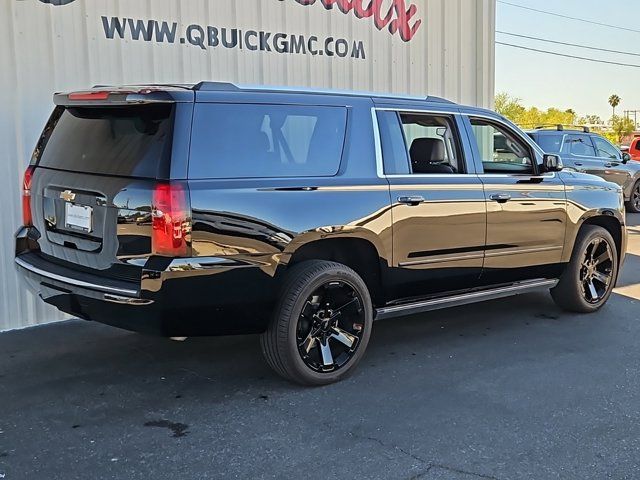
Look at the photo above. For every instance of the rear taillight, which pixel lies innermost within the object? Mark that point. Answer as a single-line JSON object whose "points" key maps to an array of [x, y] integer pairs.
{"points": [[171, 233], [27, 218]]}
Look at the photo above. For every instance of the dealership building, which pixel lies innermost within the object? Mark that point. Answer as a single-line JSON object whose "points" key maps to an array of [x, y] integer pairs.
{"points": [[418, 47]]}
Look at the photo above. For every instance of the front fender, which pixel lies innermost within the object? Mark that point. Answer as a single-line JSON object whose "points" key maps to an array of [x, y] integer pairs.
{"points": [[588, 200]]}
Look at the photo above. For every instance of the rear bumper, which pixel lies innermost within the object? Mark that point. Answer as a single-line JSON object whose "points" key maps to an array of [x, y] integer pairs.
{"points": [[185, 297]]}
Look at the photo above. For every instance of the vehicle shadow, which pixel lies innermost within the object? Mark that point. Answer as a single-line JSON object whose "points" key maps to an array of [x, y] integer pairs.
{"points": [[78, 356]]}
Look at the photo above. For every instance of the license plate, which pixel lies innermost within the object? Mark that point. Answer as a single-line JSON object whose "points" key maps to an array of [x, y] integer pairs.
{"points": [[78, 217]]}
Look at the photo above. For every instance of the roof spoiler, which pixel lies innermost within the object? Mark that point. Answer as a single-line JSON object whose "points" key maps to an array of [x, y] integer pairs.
{"points": [[110, 96]]}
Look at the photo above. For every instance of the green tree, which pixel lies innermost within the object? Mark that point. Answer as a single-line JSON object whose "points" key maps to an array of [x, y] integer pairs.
{"points": [[509, 107], [590, 120], [532, 117], [614, 101], [622, 127]]}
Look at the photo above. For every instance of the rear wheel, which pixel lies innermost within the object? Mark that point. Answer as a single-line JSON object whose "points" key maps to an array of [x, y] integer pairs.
{"points": [[633, 205], [321, 326], [590, 277]]}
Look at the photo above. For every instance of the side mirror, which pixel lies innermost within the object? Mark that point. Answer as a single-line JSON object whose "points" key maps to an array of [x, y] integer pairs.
{"points": [[552, 163], [626, 158]]}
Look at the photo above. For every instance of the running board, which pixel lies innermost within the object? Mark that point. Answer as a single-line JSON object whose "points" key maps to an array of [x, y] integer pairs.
{"points": [[463, 299]]}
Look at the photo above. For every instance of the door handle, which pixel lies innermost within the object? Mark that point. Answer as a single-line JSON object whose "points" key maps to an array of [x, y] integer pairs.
{"points": [[500, 197], [578, 164], [412, 200]]}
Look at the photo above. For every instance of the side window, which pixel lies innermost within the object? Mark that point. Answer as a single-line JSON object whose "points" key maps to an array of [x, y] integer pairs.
{"points": [[500, 149], [433, 144], [637, 146], [581, 145], [421, 144], [394, 150], [245, 141], [605, 149], [550, 142]]}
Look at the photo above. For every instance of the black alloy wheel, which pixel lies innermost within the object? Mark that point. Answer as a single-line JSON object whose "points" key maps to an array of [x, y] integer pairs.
{"points": [[633, 205], [330, 326], [590, 276], [322, 323], [596, 274]]}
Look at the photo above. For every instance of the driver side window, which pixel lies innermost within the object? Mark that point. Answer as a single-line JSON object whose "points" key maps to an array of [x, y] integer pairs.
{"points": [[501, 151], [605, 150]]}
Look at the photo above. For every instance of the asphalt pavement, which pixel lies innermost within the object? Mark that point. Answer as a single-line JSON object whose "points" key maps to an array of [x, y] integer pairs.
{"points": [[509, 389]]}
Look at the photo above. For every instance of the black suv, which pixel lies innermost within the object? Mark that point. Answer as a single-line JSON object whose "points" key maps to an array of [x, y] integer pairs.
{"points": [[588, 152], [301, 215]]}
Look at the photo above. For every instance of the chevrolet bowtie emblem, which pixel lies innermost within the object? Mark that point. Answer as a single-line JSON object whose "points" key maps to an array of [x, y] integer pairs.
{"points": [[68, 196]]}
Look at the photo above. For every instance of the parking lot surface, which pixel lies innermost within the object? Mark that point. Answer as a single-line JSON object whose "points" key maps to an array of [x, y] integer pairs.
{"points": [[510, 389]]}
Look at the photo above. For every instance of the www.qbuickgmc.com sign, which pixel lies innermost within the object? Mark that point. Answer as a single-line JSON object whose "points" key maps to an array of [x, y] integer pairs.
{"points": [[399, 17]]}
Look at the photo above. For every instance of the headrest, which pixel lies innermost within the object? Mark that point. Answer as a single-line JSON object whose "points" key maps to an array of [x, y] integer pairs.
{"points": [[426, 150]]}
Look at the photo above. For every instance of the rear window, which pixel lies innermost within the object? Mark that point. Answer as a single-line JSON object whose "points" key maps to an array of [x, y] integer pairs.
{"points": [[248, 141], [127, 141], [550, 143]]}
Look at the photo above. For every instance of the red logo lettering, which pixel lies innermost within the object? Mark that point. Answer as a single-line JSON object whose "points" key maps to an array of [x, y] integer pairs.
{"points": [[399, 18]]}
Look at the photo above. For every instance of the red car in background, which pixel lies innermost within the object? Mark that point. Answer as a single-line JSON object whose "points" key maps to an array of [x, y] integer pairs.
{"points": [[634, 149]]}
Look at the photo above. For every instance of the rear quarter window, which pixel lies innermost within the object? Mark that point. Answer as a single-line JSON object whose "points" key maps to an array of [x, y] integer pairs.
{"points": [[268, 141]]}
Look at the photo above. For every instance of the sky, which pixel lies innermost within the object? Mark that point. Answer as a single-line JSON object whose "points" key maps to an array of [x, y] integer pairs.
{"points": [[546, 81]]}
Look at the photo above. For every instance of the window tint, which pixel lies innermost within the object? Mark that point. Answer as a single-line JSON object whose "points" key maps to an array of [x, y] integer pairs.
{"points": [[432, 144], [394, 150], [550, 143], [126, 141], [604, 149], [500, 149], [636, 145], [244, 141], [581, 145]]}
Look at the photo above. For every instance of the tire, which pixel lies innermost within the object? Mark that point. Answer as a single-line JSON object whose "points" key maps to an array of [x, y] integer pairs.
{"points": [[633, 205], [308, 320], [582, 287]]}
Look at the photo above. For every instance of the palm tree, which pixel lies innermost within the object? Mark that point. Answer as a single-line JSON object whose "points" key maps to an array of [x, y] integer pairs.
{"points": [[614, 101]]}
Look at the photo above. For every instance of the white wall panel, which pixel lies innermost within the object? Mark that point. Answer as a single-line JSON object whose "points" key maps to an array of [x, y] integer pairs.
{"points": [[48, 48]]}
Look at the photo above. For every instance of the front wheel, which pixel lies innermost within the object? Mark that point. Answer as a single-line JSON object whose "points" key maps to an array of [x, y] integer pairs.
{"points": [[321, 326], [633, 205], [590, 277]]}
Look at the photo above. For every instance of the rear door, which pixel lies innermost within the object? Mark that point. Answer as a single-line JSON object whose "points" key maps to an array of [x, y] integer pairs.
{"points": [[438, 208], [614, 170], [96, 170], [526, 209], [581, 152]]}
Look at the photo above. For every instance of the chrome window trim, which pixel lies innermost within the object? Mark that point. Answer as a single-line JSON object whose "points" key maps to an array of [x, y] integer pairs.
{"points": [[378, 143], [73, 281], [380, 160], [516, 175]]}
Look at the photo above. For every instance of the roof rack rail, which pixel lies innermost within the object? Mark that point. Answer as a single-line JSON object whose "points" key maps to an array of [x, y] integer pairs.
{"points": [[561, 127], [208, 86]]}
